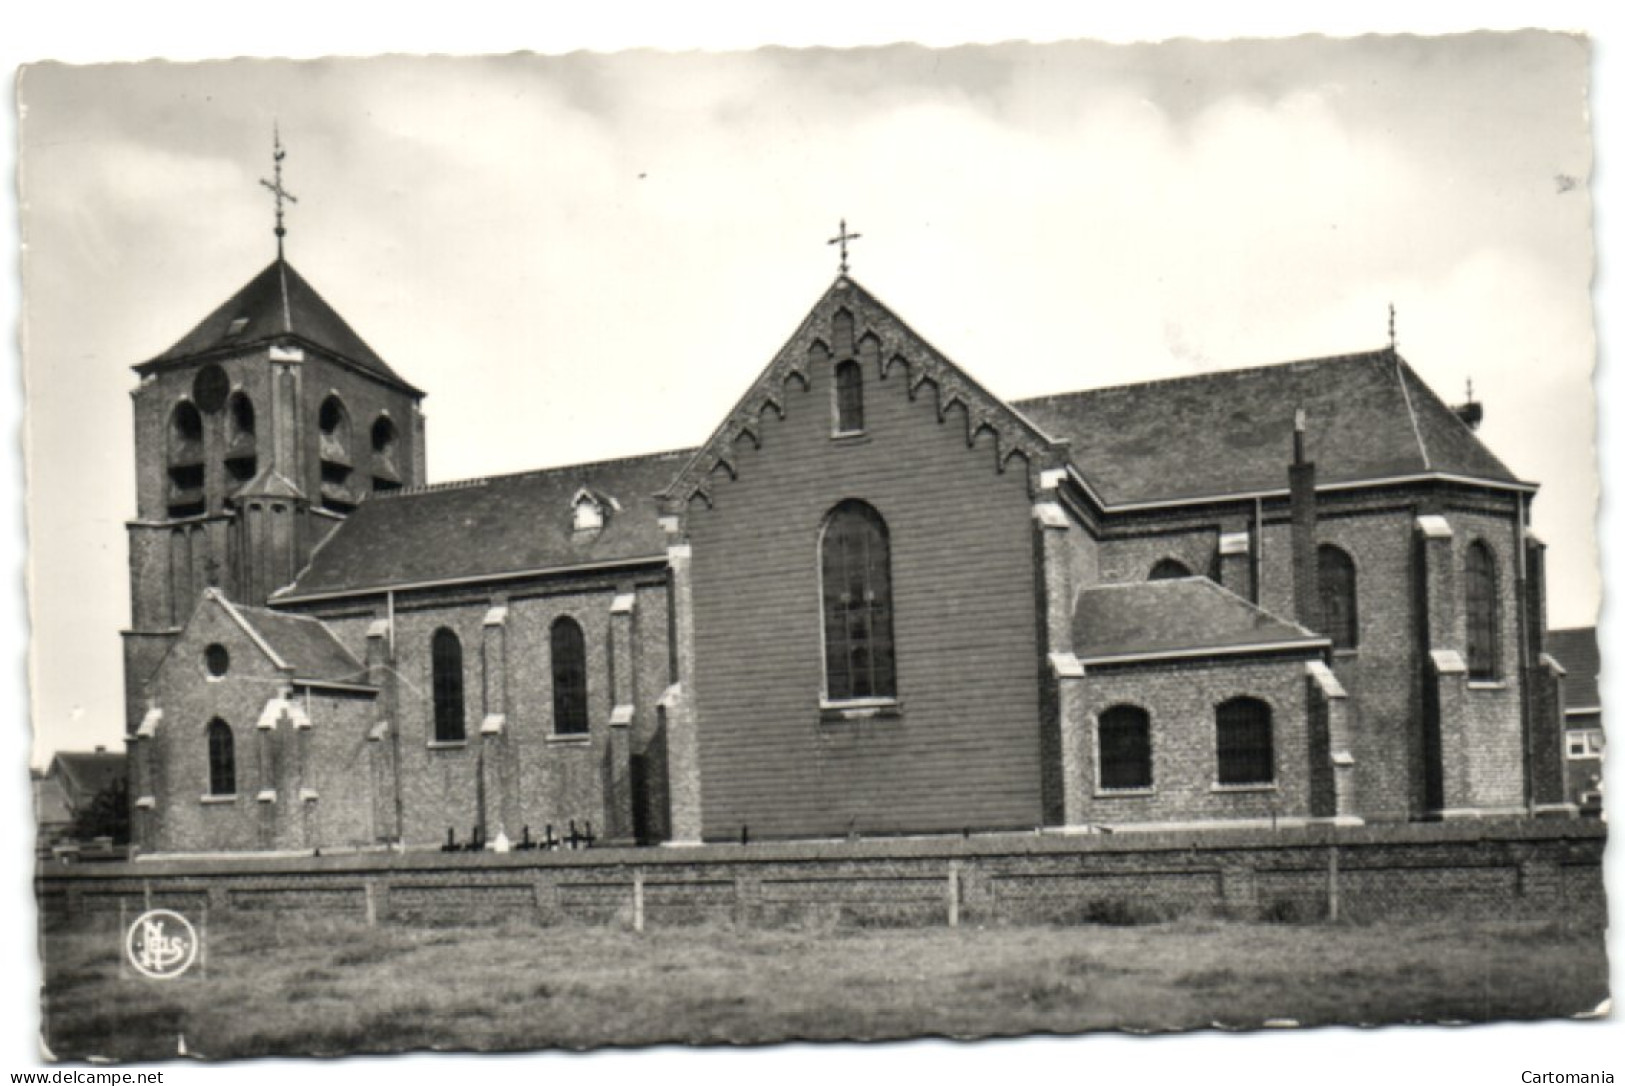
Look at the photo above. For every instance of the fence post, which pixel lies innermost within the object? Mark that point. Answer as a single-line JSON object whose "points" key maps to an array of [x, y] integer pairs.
{"points": [[953, 893], [369, 887], [637, 899], [1331, 885]]}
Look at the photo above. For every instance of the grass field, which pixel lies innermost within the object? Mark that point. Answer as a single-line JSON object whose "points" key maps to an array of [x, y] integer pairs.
{"points": [[332, 987]]}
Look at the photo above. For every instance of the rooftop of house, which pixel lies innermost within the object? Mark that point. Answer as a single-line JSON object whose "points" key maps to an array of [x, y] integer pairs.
{"points": [[1176, 617], [497, 526], [302, 644], [277, 306], [1576, 650], [1368, 416]]}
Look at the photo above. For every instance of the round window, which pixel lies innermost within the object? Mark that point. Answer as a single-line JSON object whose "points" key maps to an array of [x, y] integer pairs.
{"points": [[217, 660], [210, 388]]}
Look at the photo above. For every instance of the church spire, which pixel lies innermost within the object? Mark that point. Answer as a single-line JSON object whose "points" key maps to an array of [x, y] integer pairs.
{"points": [[281, 194]]}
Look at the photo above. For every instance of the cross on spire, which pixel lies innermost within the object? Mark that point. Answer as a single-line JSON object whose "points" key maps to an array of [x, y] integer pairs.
{"points": [[841, 239], [281, 194], [1393, 340]]}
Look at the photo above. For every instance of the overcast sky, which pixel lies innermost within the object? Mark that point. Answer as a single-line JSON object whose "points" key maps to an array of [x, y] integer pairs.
{"points": [[592, 255]]}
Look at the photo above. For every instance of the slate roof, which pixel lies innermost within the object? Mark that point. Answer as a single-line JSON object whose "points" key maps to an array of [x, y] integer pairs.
{"points": [[304, 644], [278, 306], [1180, 616], [1576, 650], [85, 773], [490, 527], [1368, 417]]}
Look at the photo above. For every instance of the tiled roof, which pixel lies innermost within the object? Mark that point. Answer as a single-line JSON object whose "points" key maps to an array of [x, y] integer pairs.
{"points": [[1368, 417], [278, 306], [506, 524], [1576, 650], [1179, 616], [304, 644]]}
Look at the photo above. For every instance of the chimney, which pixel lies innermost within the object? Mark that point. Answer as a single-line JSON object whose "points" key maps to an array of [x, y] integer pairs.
{"points": [[100, 749], [1305, 554]]}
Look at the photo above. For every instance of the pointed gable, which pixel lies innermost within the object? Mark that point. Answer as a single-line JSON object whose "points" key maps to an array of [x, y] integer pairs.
{"points": [[1230, 433], [278, 306], [850, 322]]}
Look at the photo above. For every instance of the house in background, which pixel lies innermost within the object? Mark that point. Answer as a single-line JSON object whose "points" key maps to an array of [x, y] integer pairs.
{"points": [[1576, 650], [65, 793]]}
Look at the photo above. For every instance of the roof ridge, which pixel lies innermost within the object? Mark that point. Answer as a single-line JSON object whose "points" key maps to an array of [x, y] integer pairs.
{"points": [[1358, 356], [558, 469]]}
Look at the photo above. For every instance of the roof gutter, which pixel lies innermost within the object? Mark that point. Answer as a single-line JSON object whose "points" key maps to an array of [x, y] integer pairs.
{"points": [[1282, 492], [1215, 650], [483, 578]]}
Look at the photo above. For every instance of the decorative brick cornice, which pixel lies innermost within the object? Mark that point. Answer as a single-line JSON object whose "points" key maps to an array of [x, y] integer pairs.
{"points": [[878, 336]]}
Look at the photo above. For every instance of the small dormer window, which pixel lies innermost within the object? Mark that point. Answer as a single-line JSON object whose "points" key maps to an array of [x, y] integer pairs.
{"points": [[589, 515], [237, 326]]}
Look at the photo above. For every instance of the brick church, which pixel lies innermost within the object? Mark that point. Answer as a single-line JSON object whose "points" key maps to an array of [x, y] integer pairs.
{"points": [[877, 600]]}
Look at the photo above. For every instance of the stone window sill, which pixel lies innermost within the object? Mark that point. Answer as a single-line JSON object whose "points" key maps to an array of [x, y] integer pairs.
{"points": [[221, 800], [835, 712], [1124, 793], [570, 739], [1486, 684], [850, 435], [447, 744], [1260, 786]]}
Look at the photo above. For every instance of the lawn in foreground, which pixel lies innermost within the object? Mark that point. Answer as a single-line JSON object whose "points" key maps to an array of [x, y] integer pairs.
{"points": [[287, 987]]}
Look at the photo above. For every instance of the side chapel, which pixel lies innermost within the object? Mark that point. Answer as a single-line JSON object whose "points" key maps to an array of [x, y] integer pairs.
{"points": [[879, 599]]}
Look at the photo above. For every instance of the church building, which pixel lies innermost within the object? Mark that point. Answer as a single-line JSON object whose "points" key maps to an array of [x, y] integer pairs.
{"points": [[878, 599]]}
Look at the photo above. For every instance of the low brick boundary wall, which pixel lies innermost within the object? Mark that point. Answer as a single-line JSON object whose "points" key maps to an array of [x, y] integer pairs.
{"points": [[1514, 869]]}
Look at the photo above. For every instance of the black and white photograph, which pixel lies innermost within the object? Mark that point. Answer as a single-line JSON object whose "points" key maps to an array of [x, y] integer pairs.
{"points": [[582, 549]]}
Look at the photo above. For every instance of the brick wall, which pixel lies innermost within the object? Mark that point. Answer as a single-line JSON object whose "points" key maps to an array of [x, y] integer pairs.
{"points": [[1491, 869], [964, 750], [1181, 698]]}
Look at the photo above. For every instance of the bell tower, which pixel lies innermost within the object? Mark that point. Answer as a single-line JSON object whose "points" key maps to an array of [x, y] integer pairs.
{"points": [[256, 434]]}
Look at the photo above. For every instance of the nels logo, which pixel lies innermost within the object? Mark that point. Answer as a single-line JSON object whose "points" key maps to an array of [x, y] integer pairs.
{"points": [[161, 944]]}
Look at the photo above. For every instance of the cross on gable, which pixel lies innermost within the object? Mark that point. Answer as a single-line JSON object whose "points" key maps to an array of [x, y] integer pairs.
{"points": [[841, 239]]}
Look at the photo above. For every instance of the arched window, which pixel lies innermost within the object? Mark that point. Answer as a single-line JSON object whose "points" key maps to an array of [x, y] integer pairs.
{"points": [[447, 653], [222, 759], [856, 566], [848, 398], [334, 447], [185, 498], [1168, 569], [1246, 743], [1124, 739], [241, 461], [569, 678], [1483, 614], [386, 473], [1339, 609]]}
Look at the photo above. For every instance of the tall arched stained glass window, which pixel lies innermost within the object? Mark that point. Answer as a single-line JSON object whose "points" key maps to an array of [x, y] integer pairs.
{"points": [[1339, 610], [1483, 614], [569, 647], [447, 653], [856, 566]]}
